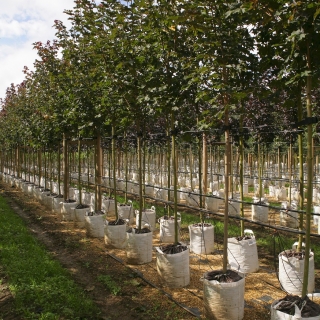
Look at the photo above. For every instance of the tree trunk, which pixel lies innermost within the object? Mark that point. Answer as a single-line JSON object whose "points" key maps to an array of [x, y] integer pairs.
{"points": [[98, 171], [114, 167], [309, 188], [66, 168]]}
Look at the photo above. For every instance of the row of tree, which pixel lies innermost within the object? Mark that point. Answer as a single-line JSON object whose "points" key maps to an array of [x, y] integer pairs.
{"points": [[146, 67], [170, 66]]}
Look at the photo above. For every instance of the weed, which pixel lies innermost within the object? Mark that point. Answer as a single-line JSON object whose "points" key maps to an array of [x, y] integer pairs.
{"points": [[111, 285]]}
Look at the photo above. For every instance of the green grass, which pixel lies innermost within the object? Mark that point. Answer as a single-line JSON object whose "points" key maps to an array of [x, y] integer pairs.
{"points": [[42, 289], [110, 284]]}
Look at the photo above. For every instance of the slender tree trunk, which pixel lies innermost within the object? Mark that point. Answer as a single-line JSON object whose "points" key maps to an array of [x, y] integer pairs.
{"points": [[169, 169], [66, 168], [59, 169], [114, 164], [309, 187], [204, 166], [79, 171], [98, 170], [241, 172], [200, 177], [226, 176], [139, 138], [126, 170]]}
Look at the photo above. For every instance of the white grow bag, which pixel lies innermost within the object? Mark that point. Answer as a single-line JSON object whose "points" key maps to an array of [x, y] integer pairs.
{"points": [[260, 213], [234, 208], [184, 193], [94, 225], [115, 235], [316, 209], [289, 218], [201, 239], [167, 229], [57, 205], [224, 300], [148, 217], [174, 269], [79, 217], [281, 193], [212, 204], [279, 315], [193, 199], [291, 274], [108, 205], [139, 247], [243, 255], [67, 210], [125, 212]]}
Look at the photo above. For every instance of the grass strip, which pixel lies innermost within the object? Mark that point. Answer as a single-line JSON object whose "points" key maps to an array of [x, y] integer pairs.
{"points": [[42, 289]]}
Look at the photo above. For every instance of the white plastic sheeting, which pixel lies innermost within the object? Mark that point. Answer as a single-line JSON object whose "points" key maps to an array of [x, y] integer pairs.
{"points": [[139, 247], [224, 300], [291, 273], [279, 315], [243, 255], [115, 235], [167, 229], [94, 225], [201, 238], [174, 269]]}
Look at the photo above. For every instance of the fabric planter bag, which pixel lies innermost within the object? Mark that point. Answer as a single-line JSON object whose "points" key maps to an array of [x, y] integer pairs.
{"points": [[234, 208], [57, 205], [316, 209], [291, 273], [279, 315], [167, 229], [224, 300], [289, 219], [115, 235], [139, 247], [173, 269], [125, 212], [108, 205], [67, 210], [79, 217], [148, 217], [201, 238], [243, 254], [260, 213], [94, 225], [212, 204]]}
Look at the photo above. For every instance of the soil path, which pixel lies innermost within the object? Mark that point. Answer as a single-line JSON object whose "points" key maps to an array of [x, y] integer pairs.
{"points": [[86, 259]]}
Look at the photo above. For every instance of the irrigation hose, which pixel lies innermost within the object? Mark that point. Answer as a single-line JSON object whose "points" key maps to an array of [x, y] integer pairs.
{"points": [[181, 305]]}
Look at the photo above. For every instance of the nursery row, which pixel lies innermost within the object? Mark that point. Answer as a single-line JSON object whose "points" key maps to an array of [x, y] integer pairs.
{"points": [[173, 267]]}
